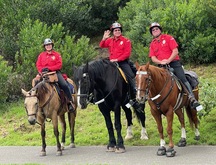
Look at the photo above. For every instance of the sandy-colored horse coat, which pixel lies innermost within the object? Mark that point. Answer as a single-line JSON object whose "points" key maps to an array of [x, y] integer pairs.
{"points": [[165, 97], [42, 102]]}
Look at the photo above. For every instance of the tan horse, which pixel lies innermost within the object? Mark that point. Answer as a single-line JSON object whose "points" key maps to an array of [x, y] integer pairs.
{"points": [[42, 102], [165, 97]]}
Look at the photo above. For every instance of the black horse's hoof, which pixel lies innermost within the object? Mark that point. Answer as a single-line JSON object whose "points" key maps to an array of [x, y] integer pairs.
{"points": [[170, 152], [161, 151], [197, 138], [182, 142], [120, 150], [110, 149]]}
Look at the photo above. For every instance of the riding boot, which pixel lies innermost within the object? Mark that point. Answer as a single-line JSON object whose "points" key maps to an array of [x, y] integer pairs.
{"points": [[194, 103]]}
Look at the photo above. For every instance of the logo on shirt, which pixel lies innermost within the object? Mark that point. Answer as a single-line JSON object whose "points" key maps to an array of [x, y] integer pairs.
{"points": [[53, 58], [163, 42], [121, 43]]}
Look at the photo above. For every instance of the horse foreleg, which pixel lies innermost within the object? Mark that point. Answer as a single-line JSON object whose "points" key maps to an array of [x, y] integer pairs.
{"points": [[182, 142], [170, 152], [43, 134], [56, 133], [112, 141], [157, 116], [120, 143], [63, 125]]}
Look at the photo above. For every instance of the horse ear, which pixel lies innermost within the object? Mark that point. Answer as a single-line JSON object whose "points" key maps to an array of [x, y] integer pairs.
{"points": [[137, 65], [24, 92]]}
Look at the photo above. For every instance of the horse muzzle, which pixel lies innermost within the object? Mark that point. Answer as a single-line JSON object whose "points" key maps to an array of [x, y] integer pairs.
{"points": [[32, 120]]}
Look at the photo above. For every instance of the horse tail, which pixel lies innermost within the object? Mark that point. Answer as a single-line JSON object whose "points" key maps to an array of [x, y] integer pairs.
{"points": [[192, 116]]}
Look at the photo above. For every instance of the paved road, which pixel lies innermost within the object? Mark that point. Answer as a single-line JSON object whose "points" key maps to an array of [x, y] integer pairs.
{"points": [[96, 155]]}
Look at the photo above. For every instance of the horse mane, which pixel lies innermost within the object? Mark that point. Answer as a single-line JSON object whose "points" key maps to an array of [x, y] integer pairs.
{"points": [[159, 73], [41, 89], [99, 67]]}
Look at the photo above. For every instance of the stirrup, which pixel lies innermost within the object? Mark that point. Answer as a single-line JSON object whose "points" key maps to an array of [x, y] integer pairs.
{"points": [[196, 105]]}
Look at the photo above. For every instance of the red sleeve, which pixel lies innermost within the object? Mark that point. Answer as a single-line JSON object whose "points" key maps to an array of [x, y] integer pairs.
{"points": [[105, 43], [38, 63]]}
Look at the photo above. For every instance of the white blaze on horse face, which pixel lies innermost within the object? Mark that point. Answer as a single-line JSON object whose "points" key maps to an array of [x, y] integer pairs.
{"points": [[139, 77]]}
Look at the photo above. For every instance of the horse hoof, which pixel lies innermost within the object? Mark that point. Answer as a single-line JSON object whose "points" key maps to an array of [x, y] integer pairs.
{"points": [[170, 152], [128, 137], [43, 153], [110, 149], [144, 137], [59, 153], [62, 147], [197, 138], [161, 151], [182, 142], [72, 145], [120, 150]]}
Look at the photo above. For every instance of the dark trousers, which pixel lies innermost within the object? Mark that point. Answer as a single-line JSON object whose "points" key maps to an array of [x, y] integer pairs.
{"points": [[178, 70], [63, 85], [125, 66]]}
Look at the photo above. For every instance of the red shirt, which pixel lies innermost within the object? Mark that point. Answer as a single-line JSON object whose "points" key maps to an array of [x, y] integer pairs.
{"points": [[163, 49], [119, 48], [51, 61]]}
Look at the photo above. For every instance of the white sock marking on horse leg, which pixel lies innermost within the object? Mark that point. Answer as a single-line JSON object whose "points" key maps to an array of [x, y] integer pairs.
{"points": [[129, 134], [183, 133], [197, 133], [144, 135], [162, 142]]}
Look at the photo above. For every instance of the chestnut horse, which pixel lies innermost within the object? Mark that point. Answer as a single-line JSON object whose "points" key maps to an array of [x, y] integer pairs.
{"points": [[165, 96], [42, 102]]}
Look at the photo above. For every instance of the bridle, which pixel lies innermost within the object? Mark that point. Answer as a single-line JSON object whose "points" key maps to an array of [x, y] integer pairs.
{"points": [[147, 89], [42, 106], [90, 94], [145, 75]]}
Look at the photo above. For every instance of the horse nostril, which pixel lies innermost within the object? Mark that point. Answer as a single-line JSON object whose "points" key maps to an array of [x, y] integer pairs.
{"points": [[32, 122]]}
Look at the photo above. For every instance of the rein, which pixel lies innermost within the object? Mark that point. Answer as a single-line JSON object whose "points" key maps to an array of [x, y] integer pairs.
{"points": [[147, 90]]}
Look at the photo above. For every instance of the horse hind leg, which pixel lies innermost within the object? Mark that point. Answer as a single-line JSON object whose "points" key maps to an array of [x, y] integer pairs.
{"points": [[182, 142], [63, 125]]}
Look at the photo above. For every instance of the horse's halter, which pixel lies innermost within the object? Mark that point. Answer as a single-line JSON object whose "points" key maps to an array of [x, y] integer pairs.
{"points": [[87, 84], [143, 76], [37, 106]]}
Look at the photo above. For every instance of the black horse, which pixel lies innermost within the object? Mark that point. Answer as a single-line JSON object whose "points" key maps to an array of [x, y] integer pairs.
{"points": [[101, 82]]}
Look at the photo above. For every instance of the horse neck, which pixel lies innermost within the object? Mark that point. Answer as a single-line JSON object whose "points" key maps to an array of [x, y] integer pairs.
{"points": [[44, 94], [158, 80]]}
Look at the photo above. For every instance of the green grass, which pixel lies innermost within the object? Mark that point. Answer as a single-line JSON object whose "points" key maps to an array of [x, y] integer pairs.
{"points": [[90, 126]]}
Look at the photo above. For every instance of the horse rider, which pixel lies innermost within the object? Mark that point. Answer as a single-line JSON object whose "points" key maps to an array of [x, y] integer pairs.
{"points": [[50, 60], [120, 52], [163, 51]]}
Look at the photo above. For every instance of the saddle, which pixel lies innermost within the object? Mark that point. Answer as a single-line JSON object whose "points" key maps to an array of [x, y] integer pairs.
{"points": [[52, 78]]}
